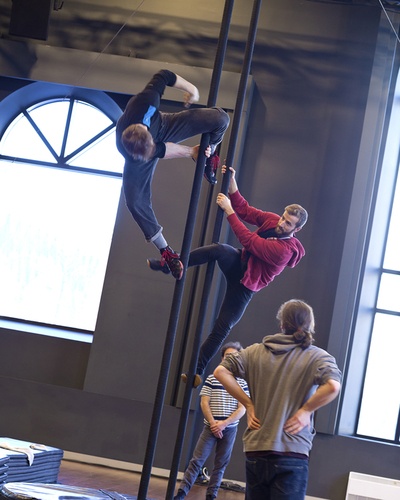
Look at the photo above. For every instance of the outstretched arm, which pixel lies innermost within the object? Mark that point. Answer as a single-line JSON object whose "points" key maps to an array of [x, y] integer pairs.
{"points": [[173, 150], [191, 93], [322, 396], [223, 201]]}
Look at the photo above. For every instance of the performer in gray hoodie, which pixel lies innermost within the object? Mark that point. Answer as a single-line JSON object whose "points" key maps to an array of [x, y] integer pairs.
{"points": [[288, 380]]}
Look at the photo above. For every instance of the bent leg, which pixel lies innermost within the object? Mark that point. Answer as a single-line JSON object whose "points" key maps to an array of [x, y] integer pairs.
{"points": [[236, 300], [227, 256], [177, 127]]}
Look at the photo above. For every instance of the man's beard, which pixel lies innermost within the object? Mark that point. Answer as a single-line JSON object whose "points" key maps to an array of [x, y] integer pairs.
{"points": [[269, 233], [280, 233]]}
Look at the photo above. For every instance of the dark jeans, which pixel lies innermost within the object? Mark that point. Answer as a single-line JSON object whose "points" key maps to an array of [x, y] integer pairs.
{"points": [[236, 299], [175, 127], [276, 478], [203, 449]]}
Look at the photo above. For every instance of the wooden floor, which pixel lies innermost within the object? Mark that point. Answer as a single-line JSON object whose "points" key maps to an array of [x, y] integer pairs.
{"points": [[126, 482]]}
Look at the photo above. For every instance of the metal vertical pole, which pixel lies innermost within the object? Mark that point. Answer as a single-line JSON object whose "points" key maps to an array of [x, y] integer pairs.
{"points": [[210, 267], [179, 287]]}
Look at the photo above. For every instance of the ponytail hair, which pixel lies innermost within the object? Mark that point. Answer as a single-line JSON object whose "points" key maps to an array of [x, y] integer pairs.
{"points": [[297, 319]]}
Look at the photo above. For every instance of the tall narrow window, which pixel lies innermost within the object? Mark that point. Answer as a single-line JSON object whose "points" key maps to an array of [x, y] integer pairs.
{"points": [[380, 405], [379, 409], [60, 184]]}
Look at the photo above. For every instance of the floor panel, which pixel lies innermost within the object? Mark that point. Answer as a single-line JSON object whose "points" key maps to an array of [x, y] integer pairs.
{"points": [[127, 482]]}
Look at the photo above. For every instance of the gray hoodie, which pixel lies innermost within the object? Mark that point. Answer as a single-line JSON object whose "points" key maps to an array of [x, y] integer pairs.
{"points": [[281, 377]]}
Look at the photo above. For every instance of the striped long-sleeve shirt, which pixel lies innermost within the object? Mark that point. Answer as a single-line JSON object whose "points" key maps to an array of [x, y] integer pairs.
{"points": [[222, 404]]}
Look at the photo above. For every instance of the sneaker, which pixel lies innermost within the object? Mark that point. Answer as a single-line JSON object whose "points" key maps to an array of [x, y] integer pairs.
{"points": [[180, 495], [196, 382], [204, 472], [158, 265], [203, 477], [171, 259], [212, 163]]}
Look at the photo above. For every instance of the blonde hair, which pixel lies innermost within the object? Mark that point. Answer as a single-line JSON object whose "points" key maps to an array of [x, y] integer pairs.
{"points": [[138, 142], [297, 319]]}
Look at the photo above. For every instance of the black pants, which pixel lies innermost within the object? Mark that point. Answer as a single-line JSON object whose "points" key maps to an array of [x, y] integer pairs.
{"points": [[236, 299]]}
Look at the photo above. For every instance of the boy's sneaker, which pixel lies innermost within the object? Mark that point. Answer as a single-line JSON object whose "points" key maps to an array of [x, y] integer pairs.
{"points": [[156, 265], [212, 163], [203, 477], [171, 259]]}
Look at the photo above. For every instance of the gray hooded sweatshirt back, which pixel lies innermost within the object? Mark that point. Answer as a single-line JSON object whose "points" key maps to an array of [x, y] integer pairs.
{"points": [[281, 377]]}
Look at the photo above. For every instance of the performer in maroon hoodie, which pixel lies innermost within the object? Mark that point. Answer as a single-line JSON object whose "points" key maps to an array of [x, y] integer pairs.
{"points": [[265, 254]]}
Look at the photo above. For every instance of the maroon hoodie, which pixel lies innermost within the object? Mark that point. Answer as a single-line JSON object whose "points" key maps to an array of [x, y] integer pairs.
{"points": [[266, 257]]}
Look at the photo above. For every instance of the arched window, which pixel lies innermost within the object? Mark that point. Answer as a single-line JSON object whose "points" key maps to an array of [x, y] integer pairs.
{"points": [[60, 184]]}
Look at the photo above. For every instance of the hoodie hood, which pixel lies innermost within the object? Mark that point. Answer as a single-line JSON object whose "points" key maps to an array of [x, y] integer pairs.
{"points": [[297, 250], [280, 343]]}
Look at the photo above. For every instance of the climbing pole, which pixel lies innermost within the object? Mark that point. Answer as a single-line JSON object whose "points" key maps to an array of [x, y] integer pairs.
{"points": [[216, 234], [179, 286], [187, 240]]}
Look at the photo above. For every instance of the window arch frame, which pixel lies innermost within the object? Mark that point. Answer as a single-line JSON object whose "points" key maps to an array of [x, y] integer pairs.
{"points": [[37, 92], [11, 107]]}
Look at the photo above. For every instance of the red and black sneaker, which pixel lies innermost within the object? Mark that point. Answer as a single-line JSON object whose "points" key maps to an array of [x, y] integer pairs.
{"points": [[171, 259], [157, 265], [212, 164]]}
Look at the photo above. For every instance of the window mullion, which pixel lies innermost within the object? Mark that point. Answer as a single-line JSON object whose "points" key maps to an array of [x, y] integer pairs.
{"points": [[40, 134], [66, 130]]}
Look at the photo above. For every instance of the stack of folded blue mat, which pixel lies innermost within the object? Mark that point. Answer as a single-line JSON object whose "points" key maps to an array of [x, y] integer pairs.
{"points": [[4, 459], [29, 462], [40, 491]]}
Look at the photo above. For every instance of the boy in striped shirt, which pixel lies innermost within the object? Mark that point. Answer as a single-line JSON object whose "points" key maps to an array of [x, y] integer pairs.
{"points": [[221, 418]]}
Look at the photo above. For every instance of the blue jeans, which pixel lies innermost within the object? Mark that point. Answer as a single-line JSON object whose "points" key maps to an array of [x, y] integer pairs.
{"points": [[175, 127], [203, 449], [236, 299], [276, 478]]}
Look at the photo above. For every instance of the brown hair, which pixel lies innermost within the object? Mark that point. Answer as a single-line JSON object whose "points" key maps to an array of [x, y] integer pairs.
{"points": [[297, 319], [138, 142], [299, 212]]}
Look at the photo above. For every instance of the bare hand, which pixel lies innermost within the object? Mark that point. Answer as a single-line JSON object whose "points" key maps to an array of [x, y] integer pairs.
{"points": [[252, 421], [217, 433], [224, 169], [232, 181], [225, 203], [191, 97], [196, 149], [217, 428], [297, 423]]}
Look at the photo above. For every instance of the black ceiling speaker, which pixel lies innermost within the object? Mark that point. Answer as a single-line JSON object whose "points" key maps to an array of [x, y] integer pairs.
{"points": [[30, 18]]}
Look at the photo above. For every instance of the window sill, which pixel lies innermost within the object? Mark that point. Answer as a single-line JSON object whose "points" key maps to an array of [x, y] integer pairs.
{"points": [[47, 330]]}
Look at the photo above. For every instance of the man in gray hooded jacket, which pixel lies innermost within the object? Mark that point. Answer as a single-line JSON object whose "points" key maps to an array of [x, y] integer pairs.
{"points": [[288, 380]]}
